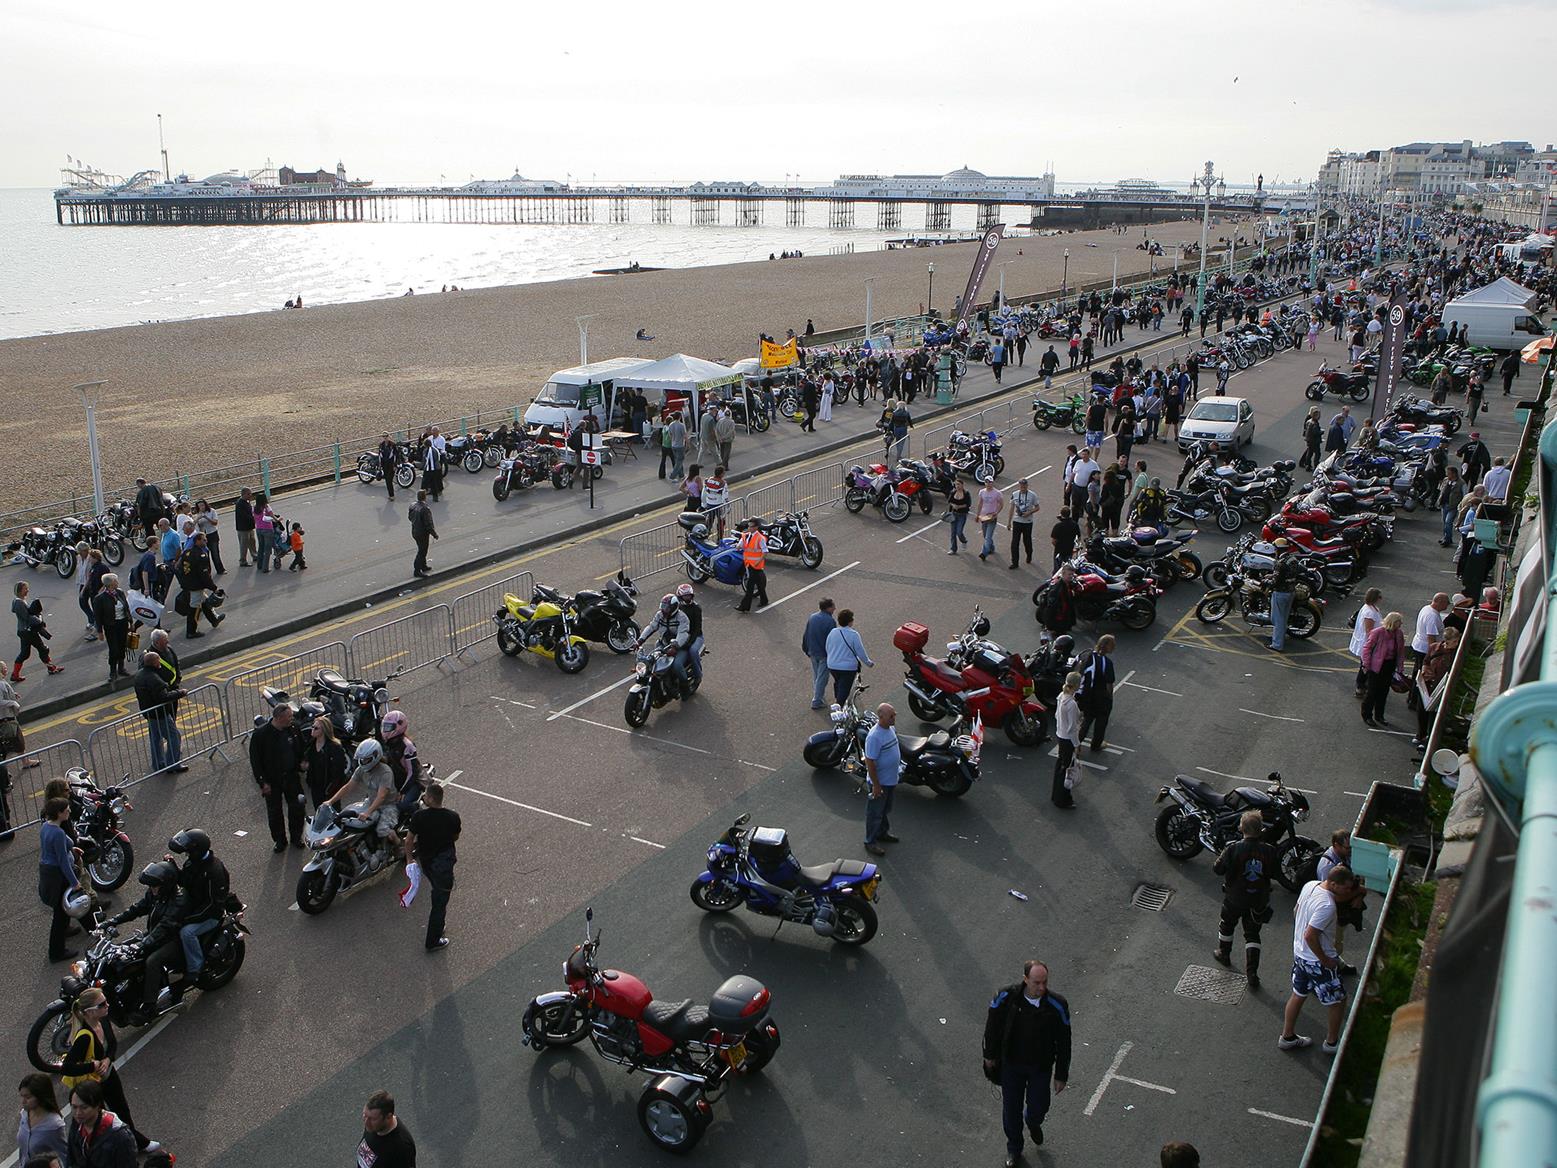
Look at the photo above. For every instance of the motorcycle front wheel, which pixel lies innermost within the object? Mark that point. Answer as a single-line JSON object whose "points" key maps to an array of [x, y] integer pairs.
{"points": [[897, 508], [1229, 519], [637, 708], [824, 756], [113, 865], [138, 539], [984, 473], [923, 710], [572, 657], [1294, 858], [500, 488], [761, 421], [113, 551], [1315, 391], [315, 891], [405, 476], [622, 636], [811, 554], [716, 896], [1213, 607], [473, 462], [554, 1024], [1215, 576], [669, 1122], [216, 974], [855, 923], [1177, 833], [491, 456], [48, 1042], [1078, 424], [65, 563], [1023, 728]]}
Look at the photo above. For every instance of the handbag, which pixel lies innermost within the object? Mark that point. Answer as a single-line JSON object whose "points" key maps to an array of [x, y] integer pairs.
{"points": [[132, 641], [1073, 774]]}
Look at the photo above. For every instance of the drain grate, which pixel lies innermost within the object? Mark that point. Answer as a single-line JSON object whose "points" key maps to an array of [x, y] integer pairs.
{"points": [[1151, 897], [1210, 984]]}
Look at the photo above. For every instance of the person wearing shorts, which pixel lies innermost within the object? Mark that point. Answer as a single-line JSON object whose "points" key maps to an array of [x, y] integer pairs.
{"points": [[1316, 966]]}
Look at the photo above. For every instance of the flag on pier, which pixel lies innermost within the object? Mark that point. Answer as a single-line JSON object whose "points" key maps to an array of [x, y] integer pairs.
{"points": [[981, 261]]}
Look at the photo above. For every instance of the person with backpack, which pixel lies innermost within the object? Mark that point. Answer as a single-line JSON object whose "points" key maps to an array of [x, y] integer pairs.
{"points": [[1096, 697]]}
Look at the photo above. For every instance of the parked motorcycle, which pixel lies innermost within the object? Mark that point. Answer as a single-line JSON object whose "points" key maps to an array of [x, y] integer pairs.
{"points": [[1408, 408], [1204, 506], [98, 533], [522, 469], [545, 629], [1166, 557], [1130, 599], [1334, 383], [1071, 412], [1251, 598], [1201, 817], [124, 519], [755, 867], [370, 471], [938, 689], [790, 534], [41, 547], [948, 765], [977, 455], [106, 851], [894, 491], [603, 616], [690, 1050], [355, 707], [347, 849], [704, 558], [467, 450], [655, 683]]}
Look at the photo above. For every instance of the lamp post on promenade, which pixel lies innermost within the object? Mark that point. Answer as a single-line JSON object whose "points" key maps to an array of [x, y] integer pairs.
{"points": [[869, 318], [1206, 181], [1065, 276], [929, 302], [583, 336], [88, 391]]}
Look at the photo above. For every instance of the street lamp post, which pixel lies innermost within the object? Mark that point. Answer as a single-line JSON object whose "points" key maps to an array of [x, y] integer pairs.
{"points": [[1205, 181], [583, 336], [1115, 286], [929, 301], [88, 391], [1065, 276], [869, 317]]}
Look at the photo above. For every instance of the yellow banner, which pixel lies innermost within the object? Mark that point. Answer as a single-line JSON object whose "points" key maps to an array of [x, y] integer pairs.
{"points": [[779, 356]]}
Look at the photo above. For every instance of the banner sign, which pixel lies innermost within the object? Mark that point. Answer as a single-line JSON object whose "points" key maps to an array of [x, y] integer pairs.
{"points": [[779, 356], [980, 266], [1391, 350]]}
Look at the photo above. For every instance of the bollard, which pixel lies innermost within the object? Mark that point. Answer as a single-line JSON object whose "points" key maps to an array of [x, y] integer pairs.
{"points": [[184, 490], [337, 464], [517, 422], [265, 476]]}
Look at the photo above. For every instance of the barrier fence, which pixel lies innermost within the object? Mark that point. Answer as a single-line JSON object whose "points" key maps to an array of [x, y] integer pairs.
{"points": [[399, 646], [241, 691], [139, 747], [651, 552], [470, 614], [23, 800]]}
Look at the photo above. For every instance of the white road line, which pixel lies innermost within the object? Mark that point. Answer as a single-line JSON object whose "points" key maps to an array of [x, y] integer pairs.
{"points": [[921, 531], [1356, 794], [516, 803], [1225, 775], [563, 713], [1113, 1075], [1144, 1083], [1151, 689], [791, 596], [452, 775], [1054, 752], [665, 741], [1262, 714], [1112, 749], [1127, 677], [1280, 1118], [638, 839], [1398, 733], [512, 701], [1305, 790]]}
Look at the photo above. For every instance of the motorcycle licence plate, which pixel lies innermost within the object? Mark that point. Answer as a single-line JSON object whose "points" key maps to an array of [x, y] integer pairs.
{"points": [[869, 890], [736, 1055]]}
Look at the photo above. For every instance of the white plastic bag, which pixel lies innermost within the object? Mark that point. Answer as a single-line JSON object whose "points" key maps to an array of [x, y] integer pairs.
{"points": [[413, 875]]}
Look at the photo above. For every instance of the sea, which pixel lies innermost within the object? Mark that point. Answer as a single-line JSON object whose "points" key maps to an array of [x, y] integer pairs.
{"points": [[64, 279]]}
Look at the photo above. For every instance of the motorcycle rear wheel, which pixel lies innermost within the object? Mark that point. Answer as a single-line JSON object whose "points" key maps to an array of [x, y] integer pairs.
{"points": [[508, 641], [669, 1122], [216, 974], [113, 866], [315, 891], [1138, 615], [696, 572], [761, 1045], [48, 1042], [1177, 833], [1303, 623], [1213, 608], [854, 502], [716, 896], [856, 921], [572, 657], [113, 551], [636, 710], [950, 784], [1188, 566], [923, 710], [1041, 420], [365, 470], [1360, 393], [554, 1024]]}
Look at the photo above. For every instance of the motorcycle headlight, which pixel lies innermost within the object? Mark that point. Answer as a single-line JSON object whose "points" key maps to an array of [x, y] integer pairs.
{"points": [[78, 969], [1299, 814], [642, 668], [322, 842]]}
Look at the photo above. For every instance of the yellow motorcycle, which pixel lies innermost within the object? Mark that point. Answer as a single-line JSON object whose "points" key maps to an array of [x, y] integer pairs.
{"points": [[545, 629]]}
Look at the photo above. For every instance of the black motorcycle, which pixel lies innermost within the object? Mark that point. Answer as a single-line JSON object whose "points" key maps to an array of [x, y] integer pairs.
{"points": [[791, 535], [369, 470], [1200, 817], [604, 616], [124, 519], [106, 851], [1166, 557], [523, 468], [468, 450], [97, 533], [355, 707], [1410, 408], [947, 765], [42, 547], [1215, 503]]}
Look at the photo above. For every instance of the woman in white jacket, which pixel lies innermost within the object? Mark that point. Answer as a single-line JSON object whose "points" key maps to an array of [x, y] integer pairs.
{"points": [[1067, 736]]}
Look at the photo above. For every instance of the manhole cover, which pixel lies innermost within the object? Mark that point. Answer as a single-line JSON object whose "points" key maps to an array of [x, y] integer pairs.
{"points": [[1210, 984], [1151, 897]]}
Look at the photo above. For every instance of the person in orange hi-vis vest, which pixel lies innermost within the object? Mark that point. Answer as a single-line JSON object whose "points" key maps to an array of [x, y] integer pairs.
{"points": [[754, 553]]}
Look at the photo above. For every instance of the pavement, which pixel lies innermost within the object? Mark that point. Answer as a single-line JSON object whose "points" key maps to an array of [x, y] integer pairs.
{"points": [[564, 808]]}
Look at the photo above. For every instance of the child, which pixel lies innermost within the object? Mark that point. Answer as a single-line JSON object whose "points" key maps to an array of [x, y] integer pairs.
{"points": [[297, 564]]}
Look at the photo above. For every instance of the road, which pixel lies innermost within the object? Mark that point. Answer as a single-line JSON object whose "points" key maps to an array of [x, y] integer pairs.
{"points": [[564, 807]]}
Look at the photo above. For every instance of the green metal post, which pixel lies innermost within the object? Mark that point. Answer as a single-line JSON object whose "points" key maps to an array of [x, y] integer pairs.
{"points": [[337, 464], [465, 427], [184, 489], [265, 476]]}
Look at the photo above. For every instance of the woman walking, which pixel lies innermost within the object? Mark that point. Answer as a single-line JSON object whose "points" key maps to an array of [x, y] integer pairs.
{"points": [[264, 532], [958, 504], [111, 608], [1383, 656], [90, 1059], [208, 524], [845, 654], [1067, 737], [41, 1129], [1369, 617], [692, 488], [324, 761], [1111, 499], [30, 631], [83, 588], [1313, 436]]}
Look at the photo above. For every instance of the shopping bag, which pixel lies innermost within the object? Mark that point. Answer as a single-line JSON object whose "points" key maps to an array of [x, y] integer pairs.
{"points": [[413, 875]]}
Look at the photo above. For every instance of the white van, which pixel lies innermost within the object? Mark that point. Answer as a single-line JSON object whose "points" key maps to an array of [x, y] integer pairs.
{"points": [[557, 403], [1500, 315]]}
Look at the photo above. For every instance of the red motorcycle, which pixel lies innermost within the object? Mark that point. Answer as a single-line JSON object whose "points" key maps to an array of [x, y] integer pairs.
{"points": [[895, 491], [1130, 599], [689, 1049], [1334, 383], [994, 685], [1323, 521]]}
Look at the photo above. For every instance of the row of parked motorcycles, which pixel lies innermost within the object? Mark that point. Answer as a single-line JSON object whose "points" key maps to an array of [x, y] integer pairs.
{"points": [[914, 483], [45, 547]]}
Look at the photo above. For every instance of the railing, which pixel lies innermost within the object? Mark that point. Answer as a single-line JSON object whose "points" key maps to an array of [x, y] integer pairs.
{"points": [[24, 802], [129, 746], [241, 691], [397, 647], [470, 613], [648, 553]]}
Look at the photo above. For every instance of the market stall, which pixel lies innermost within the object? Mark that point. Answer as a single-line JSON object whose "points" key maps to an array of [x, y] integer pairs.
{"points": [[685, 385]]}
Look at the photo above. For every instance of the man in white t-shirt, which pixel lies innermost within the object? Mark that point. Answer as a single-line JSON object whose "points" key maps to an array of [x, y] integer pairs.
{"points": [[1316, 966], [1429, 627], [1081, 473]]}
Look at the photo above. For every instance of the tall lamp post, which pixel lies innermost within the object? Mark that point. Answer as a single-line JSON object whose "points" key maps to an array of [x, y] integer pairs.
{"points": [[870, 286], [89, 394], [1065, 276], [929, 300], [583, 336], [1207, 181]]}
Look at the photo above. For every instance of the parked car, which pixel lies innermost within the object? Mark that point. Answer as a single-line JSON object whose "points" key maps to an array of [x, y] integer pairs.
{"points": [[1218, 423]]}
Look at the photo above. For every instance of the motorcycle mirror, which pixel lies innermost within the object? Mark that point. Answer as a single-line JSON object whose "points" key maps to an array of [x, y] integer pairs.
{"points": [[1446, 762]]}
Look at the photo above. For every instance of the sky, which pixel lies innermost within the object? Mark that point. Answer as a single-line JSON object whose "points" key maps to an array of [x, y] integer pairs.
{"points": [[426, 93]]}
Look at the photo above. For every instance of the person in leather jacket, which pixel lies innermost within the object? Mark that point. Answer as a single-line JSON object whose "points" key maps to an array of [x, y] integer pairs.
{"points": [[165, 907], [1246, 868], [675, 628], [206, 886], [194, 577], [1027, 1039]]}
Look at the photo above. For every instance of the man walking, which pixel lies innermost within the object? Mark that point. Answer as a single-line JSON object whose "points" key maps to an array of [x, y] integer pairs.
{"points": [[883, 766], [1475, 459], [1510, 370], [243, 525], [274, 753], [676, 440], [1026, 1043], [1020, 517], [997, 358], [157, 699], [430, 841], [990, 503], [724, 434], [814, 644], [1246, 868], [1316, 966], [1282, 590], [754, 554], [1097, 691], [1049, 365], [385, 1141], [388, 460], [150, 505], [422, 530]]}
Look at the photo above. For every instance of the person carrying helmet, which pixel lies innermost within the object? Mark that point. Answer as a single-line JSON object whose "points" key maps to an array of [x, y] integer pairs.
{"points": [[207, 886], [674, 627], [165, 906], [400, 754], [274, 753], [754, 554], [690, 659], [1283, 582], [376, 780]]}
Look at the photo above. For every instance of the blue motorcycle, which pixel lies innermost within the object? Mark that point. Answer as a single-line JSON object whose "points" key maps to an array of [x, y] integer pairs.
{"points": [[704, 558], [754, 865]]}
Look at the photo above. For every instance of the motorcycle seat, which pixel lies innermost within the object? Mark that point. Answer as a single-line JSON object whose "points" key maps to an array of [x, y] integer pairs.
{"points": [[820, 874], [938, 740], [332, 680], [941, 669], [1205, 792], [526, 611], [677, 1020]]}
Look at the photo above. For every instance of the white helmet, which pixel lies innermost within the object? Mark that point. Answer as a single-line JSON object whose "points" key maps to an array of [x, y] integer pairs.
{"points": [[369, 754], [77, 902]]}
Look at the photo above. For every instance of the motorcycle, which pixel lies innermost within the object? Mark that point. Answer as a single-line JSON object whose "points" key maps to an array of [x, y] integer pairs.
{"points": [[123, 519], [567, 469], [1166, 557], [948, 765], [1003, 681], [1198, 507], [370, 471], [975, 454], [705, 559], [603, 616], [689, 1049], [655, 684], [106, 851], [1199, 816], [41, 547], [355, 707], [347, 849], [1334, 383], [98, 533], [523, 468], [1407, 408], [1252, 556], [755, 867], [118, 968], [894, 491], [790, 535], [1251, 597], [1131, 599], [467, 450], [545, 629], [1071, 412]]}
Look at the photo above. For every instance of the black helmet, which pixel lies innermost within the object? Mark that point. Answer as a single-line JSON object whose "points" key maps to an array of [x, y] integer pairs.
{"points": [[1135, 572], [1064, 647], [191, 842], [158, 873]]}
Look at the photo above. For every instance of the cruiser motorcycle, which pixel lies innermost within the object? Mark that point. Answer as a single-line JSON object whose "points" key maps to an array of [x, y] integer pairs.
{"points": [[41, 547], [948, 766], [545, 629], [791, 535], [1251, 598], [690, 1050], [1200, 817], [106, 851], [355, 707]]}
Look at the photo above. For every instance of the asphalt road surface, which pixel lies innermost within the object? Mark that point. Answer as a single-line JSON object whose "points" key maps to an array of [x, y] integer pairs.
{"points": [[564, 808]]}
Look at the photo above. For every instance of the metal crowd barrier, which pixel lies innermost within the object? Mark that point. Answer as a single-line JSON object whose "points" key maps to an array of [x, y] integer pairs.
{"points": [[766, 503], [820, 487], [651, 552], [241, 691], [397, 647], [24, 800], [470, 614], [124, 746]]}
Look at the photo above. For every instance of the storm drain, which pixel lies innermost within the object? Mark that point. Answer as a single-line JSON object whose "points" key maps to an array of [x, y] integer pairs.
{"points": [[1151, 897], [1211, 984]]}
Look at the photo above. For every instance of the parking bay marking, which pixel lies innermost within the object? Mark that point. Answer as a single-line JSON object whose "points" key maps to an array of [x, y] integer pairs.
{"points": [[1113, 1075], [664, 741], [782, 599], [1263, 714], [1280, 1118], [937, 523]]}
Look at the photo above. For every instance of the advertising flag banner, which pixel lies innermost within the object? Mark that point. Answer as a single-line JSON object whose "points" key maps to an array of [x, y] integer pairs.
{"points": [[1391, 350], [981, 261]]}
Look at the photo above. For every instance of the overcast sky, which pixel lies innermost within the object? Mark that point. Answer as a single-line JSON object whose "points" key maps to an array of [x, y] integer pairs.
{"points": [[411, 93]]}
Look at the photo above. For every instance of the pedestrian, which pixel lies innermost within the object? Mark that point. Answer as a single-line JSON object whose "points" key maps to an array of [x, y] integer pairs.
{"points": [[1021, 514], [1368, 618], [724, 434], [430, 838], [264, 532], [40, 1132], [1067, 740], [197, 593], [56, 873], [1048, 365], [845, 654], [324, 762], [753, 543], [98, 1138], [1063, 536], [388, 461], [90, 1059], [385, 1141], [1283, 585], [1223, 372], [1111, 497], [423, 530], [1027, 1042], [1429, 627], [1496, 482], [1124, 432], [1246, 868], [814, 644], [151, 505], [959, 501], [692, 488], [31, 631], [1510, 370], [991, 501], [1313, 436], [1096, 697], [1348, 907], [716, 499], [274, 757], [243, 525], [1474, 388], [883, 767], [1335, 435], [1316, 966], [1475, 459], [1096, 419], [1435, 667], [157, 700], [1178, 1154], [208, 522], [111, 610], [84, 554], [810, 399], [707, 432], [902, 423], [1383, 657], [997, 358], [432, 468]]}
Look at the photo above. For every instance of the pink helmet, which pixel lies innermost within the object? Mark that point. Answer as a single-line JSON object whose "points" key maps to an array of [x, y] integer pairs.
{"points": [[394, 725]]}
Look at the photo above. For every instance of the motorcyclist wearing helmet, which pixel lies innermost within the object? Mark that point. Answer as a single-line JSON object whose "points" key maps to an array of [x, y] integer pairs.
{"points": [[376, 781], [400, 755], [690, 659], [164, 906], [1150, 508], [674, 628], [206, 885]]}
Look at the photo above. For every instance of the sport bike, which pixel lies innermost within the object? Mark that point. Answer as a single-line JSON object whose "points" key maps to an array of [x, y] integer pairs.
{"points": [[545, 629], [655, 684], [704, 558], [604, 616], [347, 849], [1200, 817], [1072, 413], [939, 688]]}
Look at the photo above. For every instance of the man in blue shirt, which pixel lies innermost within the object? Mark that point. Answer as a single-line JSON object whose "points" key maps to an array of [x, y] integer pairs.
{"points": [[814, 645], [883, 763], [56, 874]]}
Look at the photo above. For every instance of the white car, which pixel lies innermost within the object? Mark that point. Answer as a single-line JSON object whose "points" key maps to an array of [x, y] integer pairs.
{"points": [[1218, 423]]}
